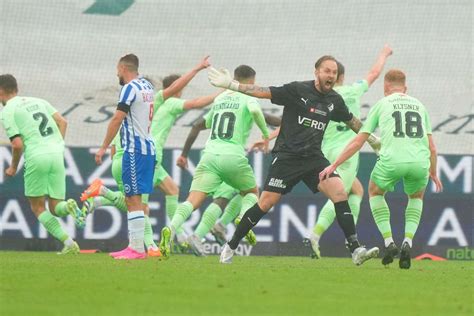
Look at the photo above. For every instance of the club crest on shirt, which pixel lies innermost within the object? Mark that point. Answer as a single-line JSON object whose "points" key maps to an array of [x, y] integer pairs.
{"points": [[330, 107]]}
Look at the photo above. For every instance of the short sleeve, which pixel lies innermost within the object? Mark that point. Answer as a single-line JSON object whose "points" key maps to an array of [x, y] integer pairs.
{"points": [[127, 95], [176, 105], [159, 100], [360, 87], [49, 108], [428, 124], [341, 113], [208, 117], [372, 120], [8, 122], [285, 94]]}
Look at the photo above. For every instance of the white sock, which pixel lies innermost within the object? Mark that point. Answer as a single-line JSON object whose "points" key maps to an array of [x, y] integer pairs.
{"points": [[388, 241], [97, 201], [136, 230], [408, 241], [314, 237], [69, 242]]}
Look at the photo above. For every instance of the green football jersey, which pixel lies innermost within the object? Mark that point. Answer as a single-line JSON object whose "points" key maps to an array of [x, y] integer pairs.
{"points": [[32, 120], [404, 125], [165, 114], [338, 134], [118, 147], [230, 119]]}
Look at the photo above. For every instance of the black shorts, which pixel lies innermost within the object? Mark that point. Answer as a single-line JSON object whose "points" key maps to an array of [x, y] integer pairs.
{"points": [[285, 172]]}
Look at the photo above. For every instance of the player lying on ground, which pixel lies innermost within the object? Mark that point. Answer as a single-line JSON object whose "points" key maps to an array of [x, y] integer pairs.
{"points": [[37, 128], [225, 198], [230, 118], [408, 153], [308, 107]]}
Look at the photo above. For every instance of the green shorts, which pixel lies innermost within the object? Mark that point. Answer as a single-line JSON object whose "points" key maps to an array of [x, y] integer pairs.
{"points": [[414, 175], [160, 174], [213, 170], [117, 174], [225, 191], [45, 175], [348, 170]]}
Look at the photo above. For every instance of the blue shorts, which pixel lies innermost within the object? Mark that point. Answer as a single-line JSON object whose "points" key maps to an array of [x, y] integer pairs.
{"points": [[137, 173]]}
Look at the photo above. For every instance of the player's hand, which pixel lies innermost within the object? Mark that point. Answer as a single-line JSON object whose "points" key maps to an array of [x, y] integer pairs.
{"points": [[222, 78], [387, 50], [256, 147], [98, 156], [437, 182], [11, 171], [323, 175], [266, 143], [182, 162], [203, 64]]}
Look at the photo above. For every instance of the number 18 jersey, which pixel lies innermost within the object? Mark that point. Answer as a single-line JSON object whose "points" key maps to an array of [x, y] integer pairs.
{"points": [[32, 120], [230, 120], [404, 128]]}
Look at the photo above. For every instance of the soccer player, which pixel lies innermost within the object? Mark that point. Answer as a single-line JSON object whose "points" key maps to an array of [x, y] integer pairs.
{"points": [[226, 200], [37, 128], [408, 153], [308, 107], [230, 118], [336, 137], [133, 118]]}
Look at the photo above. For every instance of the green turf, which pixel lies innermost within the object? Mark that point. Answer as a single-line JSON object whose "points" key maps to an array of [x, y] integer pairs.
{"points": [[34, 283]]}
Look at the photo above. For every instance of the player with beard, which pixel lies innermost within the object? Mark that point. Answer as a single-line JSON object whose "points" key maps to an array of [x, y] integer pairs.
{"points": [[297, 155]]}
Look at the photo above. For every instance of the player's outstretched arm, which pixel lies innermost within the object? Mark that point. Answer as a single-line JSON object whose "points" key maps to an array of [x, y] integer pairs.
{"points": [[223, 79], [198, 126], [355, 124], [112, 130], [377, 68], [182, 81], [200, 102], [354, 146], [433, 164], [17, 150], [61, 122]]}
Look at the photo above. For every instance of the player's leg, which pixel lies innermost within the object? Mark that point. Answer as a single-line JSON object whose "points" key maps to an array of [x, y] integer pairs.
{"points": [[150, 245], [231, 211], [382, 179], [355, 198], [414, 182]]}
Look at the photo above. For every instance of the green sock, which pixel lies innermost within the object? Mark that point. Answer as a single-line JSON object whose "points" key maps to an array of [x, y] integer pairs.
{"points": [[381, 215], [52, 226], [148, 237], [354, 204], [118, 200], [60, 210], [183, 211], [325, 219], [232, 210], [249, 200], [412, 217], [208, 219], [171, 205]]}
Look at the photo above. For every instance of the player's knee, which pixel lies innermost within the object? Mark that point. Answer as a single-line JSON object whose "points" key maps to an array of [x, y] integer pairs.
{"points": [[374, 189], [417, 195], [338, 196]]}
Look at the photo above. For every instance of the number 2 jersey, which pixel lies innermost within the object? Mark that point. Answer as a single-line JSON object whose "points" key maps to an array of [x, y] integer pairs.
{"points": [[32, 120], [404, 128], [231, 121]]}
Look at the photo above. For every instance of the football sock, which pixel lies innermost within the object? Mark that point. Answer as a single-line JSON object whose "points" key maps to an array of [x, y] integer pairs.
{"points": [[354, 204], [381, 215], [61, 209], [183, 211], [232, 210], [249, 200], [209, 218], [136, 230], [325, 219], [148, 234], [171, 205], [409, 241], [412, 217], [387, 241], [52, 226], [346, 222], [249, 220]]}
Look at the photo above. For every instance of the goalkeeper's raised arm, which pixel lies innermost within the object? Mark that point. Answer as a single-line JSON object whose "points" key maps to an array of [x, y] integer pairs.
{"points": [[222, 78]]}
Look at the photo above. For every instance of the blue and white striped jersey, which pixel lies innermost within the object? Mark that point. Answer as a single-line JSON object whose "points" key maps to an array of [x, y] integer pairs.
{"points": [[135, 136]]}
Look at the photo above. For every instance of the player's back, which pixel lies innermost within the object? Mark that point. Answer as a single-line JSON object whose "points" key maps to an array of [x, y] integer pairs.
{"points": [[404, 124], [230, 120], [33, 119]]}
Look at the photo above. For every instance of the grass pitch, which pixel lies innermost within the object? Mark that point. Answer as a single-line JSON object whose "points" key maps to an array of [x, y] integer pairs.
{"points": [[42, 283]]}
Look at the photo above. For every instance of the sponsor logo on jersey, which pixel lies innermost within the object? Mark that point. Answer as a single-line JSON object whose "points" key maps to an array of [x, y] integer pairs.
{"points": [[315, 110], [277, 183], [307, 122]]}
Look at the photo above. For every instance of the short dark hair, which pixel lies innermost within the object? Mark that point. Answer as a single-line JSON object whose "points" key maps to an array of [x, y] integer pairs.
{"points": [[8, 83], [244, 72], [130, 61], [168, 80], [340, 69], [323, 59], [395, 76]]}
